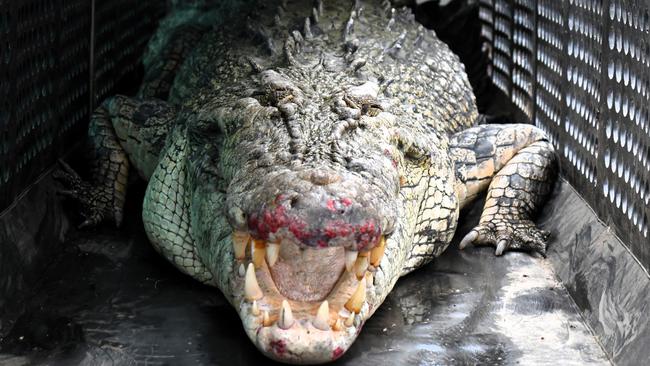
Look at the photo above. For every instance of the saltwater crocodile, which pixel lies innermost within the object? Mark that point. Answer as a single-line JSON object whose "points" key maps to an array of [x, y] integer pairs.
{"points": [[304, 157]]}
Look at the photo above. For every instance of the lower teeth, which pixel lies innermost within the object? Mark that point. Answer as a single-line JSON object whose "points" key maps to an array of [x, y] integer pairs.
{"points": [[358, 263]]}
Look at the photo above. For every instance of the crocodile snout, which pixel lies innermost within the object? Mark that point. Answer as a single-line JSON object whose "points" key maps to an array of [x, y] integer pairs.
{"points": [[317, 219]]}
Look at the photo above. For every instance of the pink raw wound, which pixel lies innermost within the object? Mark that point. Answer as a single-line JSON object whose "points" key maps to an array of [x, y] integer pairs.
{"points": [[271, 219]]}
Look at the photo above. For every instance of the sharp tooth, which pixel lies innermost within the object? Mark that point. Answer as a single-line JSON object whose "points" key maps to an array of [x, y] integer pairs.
{"points": [[338, 325], [272, 253], [358, 297], [360, 267], [241, 270], [350, 258], [370, 279], [239, 241], [252, 290], [286, 316], [258, 247], [266, 320], [378, 252], [255, 310], [349, 321], [322, 317]]}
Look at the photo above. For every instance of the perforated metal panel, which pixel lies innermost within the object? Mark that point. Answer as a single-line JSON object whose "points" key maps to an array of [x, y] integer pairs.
{"points": [[502, 45], [625, 128], [486, 17], [523, 55], [45, 76], [582, 92], [549, 68], [590, 73]]}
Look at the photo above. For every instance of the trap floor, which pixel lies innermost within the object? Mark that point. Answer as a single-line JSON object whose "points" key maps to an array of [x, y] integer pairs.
{"points": [[111, 300]]}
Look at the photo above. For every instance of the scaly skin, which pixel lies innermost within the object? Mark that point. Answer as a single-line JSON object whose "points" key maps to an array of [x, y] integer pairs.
{"points": [[295, 149]]}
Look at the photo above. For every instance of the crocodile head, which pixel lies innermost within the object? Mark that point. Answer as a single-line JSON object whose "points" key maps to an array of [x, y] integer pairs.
{"points": [[312, 202]]}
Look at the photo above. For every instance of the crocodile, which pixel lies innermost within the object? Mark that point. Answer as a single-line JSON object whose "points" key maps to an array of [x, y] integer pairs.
{"points": [[303, 157]]}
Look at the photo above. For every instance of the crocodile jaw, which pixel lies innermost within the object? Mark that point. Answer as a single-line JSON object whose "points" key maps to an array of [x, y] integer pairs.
{"points": [[302, 339], [303, 342]]}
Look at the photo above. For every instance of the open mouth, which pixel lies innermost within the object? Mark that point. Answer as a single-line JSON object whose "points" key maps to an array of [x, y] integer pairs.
{"points": [[289, 288], [288, 285]]}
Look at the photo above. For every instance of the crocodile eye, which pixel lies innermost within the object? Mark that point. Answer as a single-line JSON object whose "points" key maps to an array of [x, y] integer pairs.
{"points": [[278, 96], [276, 90], [368, 106], [273, 97], [371, 109]]}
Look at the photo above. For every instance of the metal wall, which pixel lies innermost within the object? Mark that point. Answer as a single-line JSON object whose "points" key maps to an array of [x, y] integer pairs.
{"points": [[48, 72], [580, 70]]}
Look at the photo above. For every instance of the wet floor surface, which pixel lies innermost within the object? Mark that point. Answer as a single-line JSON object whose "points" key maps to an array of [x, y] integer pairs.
{"points": [[111, 300]]}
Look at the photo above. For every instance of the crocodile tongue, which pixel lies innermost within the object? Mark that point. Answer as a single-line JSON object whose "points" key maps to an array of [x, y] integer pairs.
{"points": [[307, 274]]}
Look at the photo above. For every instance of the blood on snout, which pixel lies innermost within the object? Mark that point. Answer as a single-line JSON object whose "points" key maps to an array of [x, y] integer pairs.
{"points": [[365, 233]]}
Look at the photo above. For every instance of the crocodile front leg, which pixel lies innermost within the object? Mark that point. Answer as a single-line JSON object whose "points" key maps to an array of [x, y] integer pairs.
{"points": [[517, 165], [103, 197], [123, 132]]}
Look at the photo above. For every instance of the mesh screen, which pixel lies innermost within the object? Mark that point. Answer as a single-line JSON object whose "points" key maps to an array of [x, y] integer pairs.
{"points": [[45, 76], [74, 74], [122, 31], [580, 70]]}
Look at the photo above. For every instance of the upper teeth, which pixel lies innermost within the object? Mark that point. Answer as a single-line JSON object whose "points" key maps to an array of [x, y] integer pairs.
{"points": [[350, 258], [358, 297], [272, 253], [378, 252], [356, 263], [361, 265], [240, 241], [252, 290], [258, 249]]}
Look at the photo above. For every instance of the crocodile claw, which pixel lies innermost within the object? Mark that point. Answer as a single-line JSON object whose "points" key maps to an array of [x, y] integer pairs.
{"points": [[93, 201], [508, 234], [501, 247], [468, 239]]}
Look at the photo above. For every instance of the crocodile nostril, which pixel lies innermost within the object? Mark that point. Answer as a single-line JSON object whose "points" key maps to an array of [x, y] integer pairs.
{"points": [[322, 177]]}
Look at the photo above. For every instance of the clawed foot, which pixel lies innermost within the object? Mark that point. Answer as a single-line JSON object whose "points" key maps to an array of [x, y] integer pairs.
{"points": [[95, 202], [508, 234]]}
